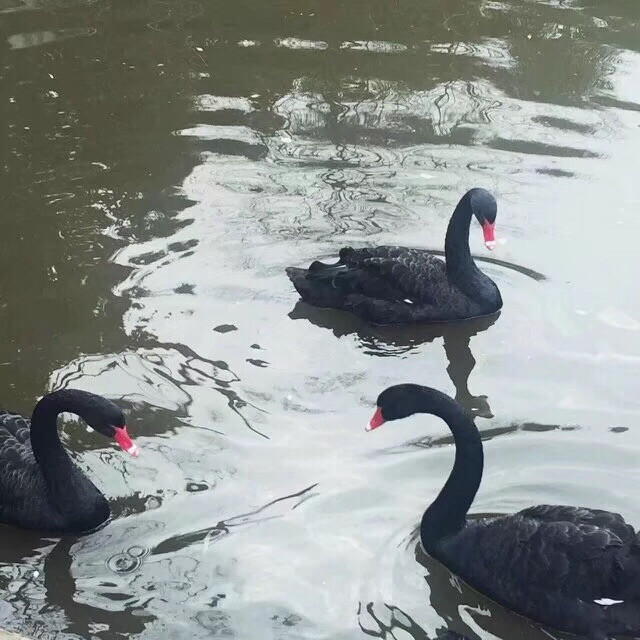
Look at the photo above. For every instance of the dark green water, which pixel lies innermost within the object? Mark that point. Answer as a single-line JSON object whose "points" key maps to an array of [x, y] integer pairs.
{"points": [[163, 161]]}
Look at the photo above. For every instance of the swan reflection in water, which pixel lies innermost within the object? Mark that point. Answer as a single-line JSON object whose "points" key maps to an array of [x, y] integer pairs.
{"points": [[384, 341], [81, 618], [464, 614], [39, 568], [470, 612], [400, 621]]}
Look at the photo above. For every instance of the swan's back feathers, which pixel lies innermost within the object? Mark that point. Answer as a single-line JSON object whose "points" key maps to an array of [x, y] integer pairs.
{"points": [[15, 447], [398, 274], [13, 425], [21, 482], [613, 522], [387, 285], [412, 272], [552, 564]]}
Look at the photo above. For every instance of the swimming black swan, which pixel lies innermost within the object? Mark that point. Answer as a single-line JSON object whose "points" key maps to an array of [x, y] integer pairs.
{"points": [[571, 568], [391, 285], [40, 487]]}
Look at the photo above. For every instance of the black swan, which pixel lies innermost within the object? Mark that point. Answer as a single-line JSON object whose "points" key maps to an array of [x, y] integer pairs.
{"points": [[392, 285], [571, 568], [40, 487]]}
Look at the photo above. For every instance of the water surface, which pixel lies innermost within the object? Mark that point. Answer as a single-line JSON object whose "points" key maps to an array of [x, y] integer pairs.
{"points": [[163, 162]]}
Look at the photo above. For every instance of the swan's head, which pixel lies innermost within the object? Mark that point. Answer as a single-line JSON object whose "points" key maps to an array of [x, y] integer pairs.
{"points": [[395, 403], [107, 418], [484, 208]]}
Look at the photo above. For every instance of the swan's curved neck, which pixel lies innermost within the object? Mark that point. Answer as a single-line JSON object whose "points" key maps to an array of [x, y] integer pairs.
{"points": [[447, 514], [50, 454], [460, 264]]}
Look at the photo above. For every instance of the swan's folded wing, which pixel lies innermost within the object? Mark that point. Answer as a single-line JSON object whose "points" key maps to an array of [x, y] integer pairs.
{"points": [[16, 460], [613, 522], [13, 425], [413, 274], [502, 556]]}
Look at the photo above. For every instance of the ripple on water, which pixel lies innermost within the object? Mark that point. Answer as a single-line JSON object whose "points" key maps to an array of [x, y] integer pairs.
{"points": [[183, 569], [492, 51], [143, 376], [40, 38], [211, 103], [374, 46], [123, 563], [168, 378], [15, 6], [299, 43], [227, 139], [404, 118]]}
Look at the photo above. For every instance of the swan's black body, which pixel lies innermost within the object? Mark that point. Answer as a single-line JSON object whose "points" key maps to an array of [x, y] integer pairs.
{"points": [[389, 285], [549, 563], [40, 487]]}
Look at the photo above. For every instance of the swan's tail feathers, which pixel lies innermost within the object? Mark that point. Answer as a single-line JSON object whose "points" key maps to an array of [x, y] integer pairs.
{"points": [[317, 285], [321, 271], [297, 276]]}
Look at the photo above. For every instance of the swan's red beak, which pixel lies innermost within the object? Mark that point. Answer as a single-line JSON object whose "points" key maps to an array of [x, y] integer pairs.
{"points": [[488, 229], [122, 438], [376, 421]]}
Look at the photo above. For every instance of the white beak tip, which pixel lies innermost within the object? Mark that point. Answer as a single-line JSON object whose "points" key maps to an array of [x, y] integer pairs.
{"points": [[134, 450]]}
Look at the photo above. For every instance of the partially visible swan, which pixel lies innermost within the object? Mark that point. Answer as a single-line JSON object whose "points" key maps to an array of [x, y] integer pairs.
{"points": [[571, 568], [40, 487], [392, 285]]}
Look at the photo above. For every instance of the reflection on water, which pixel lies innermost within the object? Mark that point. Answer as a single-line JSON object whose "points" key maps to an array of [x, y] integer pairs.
{"points": [[38, 38], [84, 619], [164, 161], [471, 613], [389, 341]]}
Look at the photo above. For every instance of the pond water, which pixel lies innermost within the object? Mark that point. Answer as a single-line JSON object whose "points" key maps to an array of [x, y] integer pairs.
{"points": [[165, 160]]}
